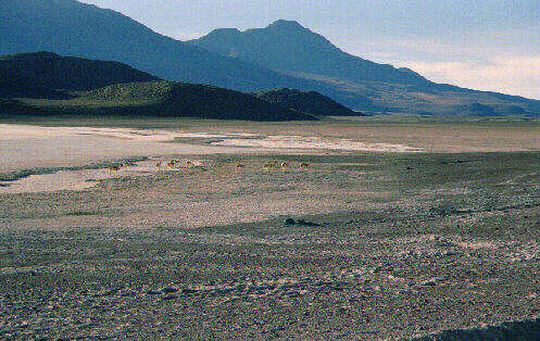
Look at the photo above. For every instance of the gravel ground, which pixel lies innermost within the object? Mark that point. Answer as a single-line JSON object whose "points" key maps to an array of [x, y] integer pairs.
{"points": [[368, 246]]}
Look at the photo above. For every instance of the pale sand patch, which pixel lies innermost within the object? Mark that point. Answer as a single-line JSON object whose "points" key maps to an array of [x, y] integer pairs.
{"points": [[210, 135], [28, 146], [301, 142], [478, 245], [22, 132], [62, 180]]}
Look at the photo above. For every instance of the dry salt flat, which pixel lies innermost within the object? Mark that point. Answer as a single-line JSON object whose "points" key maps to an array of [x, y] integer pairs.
{"points": [[27, 147], [316, 143]]}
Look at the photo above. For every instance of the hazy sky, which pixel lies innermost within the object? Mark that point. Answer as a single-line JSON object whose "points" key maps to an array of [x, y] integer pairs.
{"points": [[482, 44]]}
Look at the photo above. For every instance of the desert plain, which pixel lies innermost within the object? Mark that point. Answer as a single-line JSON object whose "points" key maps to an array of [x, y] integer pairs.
{"points": [[352, 228]]}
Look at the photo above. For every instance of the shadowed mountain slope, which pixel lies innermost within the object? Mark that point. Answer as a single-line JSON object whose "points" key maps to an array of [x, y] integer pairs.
{"points": [[309, 102], [46, 84], [46, 74], [157, 99], [194, 100]]}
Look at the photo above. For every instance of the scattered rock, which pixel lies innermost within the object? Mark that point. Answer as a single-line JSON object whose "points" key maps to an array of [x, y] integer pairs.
{"points": [[169, 290], [189, 291], [290, 222], [429, 283], [433, 282], [300, 222]]}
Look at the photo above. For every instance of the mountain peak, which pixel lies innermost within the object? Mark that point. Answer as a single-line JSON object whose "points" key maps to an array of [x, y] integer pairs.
{"points": [[224, 31], [287, 24]]}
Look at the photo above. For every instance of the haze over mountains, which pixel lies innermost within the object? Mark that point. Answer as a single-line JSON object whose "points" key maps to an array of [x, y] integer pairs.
{"points": [[288, 47], [283, 55]]}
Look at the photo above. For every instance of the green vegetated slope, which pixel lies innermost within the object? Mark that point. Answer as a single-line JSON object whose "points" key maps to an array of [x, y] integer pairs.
{"points": [[310, 102], [164, 99]]}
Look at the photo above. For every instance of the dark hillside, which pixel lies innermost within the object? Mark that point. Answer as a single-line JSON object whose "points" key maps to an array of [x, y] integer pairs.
{"points": [[158, 99], [48, 75], [309, 102]]}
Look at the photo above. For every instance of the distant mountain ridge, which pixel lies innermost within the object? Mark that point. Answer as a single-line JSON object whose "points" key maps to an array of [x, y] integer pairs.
{"points": [[282, 55], [289, 47]]}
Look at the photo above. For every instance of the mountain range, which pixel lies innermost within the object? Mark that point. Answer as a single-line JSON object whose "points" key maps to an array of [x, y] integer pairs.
{"points": [[283, 55], [289, 48], [71, 28]]}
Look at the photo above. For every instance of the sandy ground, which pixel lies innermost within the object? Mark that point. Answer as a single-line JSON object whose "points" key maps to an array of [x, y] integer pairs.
{"points": [[24, 147], [436, 138], [382, 246], [72, 180], [212, 193]]}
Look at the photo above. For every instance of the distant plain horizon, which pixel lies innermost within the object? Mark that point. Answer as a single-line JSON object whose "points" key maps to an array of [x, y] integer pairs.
{"points": [[474, 44]]}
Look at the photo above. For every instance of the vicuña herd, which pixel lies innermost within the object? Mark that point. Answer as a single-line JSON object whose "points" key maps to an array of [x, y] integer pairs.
{"points": [[177, 164]]}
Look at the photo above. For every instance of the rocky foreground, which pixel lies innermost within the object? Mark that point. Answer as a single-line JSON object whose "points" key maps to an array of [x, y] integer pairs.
{"points": [[410, 245]]}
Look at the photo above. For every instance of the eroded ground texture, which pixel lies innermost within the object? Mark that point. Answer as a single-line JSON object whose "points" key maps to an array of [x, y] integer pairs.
{"points": [[353, 245]]}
